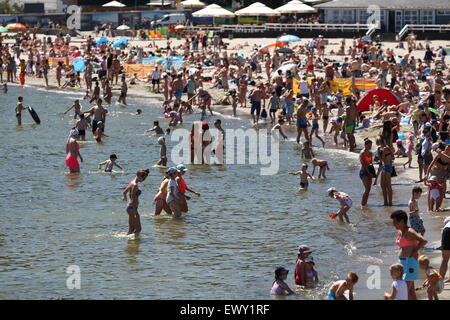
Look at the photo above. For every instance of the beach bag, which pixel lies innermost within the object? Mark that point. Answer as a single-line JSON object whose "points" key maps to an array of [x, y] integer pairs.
{"points": [[263, 113], [393, 173], [371, 170]]}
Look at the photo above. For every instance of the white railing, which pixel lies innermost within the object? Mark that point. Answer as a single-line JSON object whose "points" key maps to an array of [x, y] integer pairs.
{"points": [[423, 28], [240, 28]]}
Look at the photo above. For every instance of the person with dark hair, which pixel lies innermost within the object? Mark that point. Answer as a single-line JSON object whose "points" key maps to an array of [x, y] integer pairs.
{"points": [[410, 242], [134, 221], [279, 287], [367, 171]]}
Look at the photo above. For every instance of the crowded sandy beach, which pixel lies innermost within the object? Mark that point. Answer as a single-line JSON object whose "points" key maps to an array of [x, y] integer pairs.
{"points": [[384, 104]]}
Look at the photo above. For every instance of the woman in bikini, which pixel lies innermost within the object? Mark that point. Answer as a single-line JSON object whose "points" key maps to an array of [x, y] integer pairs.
{"points": [[134, 220], [160, 198], [410, 242], [367, 171]]}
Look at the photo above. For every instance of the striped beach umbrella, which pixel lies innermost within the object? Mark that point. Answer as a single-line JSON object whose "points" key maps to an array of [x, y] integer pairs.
{"points": [[266, 47], [16, 26], [3, 29]]}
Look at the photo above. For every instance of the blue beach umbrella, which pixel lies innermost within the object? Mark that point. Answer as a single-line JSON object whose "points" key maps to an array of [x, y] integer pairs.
{"points": [[121, 41], [102, 40], [79, 65], [289, 38]]}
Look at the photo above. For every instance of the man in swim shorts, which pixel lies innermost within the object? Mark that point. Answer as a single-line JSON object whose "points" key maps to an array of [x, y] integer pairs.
{"points": [[302, 124], [350, 123], [255, 97], [19, 108]]}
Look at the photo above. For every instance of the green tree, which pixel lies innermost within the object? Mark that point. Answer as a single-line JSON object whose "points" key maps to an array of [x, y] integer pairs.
{"points": [[7, 8]]}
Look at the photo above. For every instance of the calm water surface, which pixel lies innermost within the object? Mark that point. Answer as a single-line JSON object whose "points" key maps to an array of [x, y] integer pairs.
{"points": [[241, 228]]}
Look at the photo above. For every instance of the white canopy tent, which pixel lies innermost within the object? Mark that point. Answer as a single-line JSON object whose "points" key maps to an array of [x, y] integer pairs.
{"points": [[296, 6], [193, 4], [214, 11], [159, 3], [257, 9], [114, 4], [312, 2], [123, 27]]}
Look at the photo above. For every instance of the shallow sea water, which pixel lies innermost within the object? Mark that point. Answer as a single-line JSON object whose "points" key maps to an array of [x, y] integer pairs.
{"points": [[242, 227]]}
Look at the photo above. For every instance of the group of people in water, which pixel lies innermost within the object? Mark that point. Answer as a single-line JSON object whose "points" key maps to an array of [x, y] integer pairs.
{"points": [[419, 83]]}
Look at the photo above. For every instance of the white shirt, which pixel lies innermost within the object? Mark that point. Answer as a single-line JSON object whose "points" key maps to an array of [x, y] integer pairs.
{"points": [[402, 289], [172, 183], [303, 85], [156, 74]]}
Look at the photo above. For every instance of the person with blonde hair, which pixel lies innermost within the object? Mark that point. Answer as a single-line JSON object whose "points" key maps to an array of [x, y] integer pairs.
{"points": [[399, 286], [434, 282]]}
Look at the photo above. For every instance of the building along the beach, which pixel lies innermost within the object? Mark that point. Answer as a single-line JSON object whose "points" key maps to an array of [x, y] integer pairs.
{"points": [[394, 14]]}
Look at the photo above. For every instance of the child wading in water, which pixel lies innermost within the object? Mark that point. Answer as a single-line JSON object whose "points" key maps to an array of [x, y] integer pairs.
{"points": [[399, 286], [109, 164], [414, 217], [99, 131], [434, 282], [305, 274], [345, 201], [162, 153], [315, 126], [279, 287], [434, 193], [156, 128], [307, 151], [304, 175], [338, 288], [323, 167]]}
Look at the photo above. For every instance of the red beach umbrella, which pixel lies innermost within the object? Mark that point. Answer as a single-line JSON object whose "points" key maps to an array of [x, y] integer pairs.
{"points": [[382, 94]]}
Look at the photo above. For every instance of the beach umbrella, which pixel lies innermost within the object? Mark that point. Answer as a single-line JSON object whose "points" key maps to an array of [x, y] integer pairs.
{"points": [[289, 38], [102, 40], [382, 94], [295, 6], [193, 4], [266, 47], [3, 29], [79, 65], [121, 41], [257, 9], [214, 11], [180, 28], [123, 27], [285, 50], [287, 67], [114, 4], [16, 26]]}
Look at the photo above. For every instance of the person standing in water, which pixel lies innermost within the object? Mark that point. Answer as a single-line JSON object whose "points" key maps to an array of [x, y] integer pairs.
{"points": [[173, 193], [77, 108], [182, 187], [72, 152], [160, 198], [345, 201], [19, 108], [99, 115], [409, 242], [134, 220], [367, 171]]}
